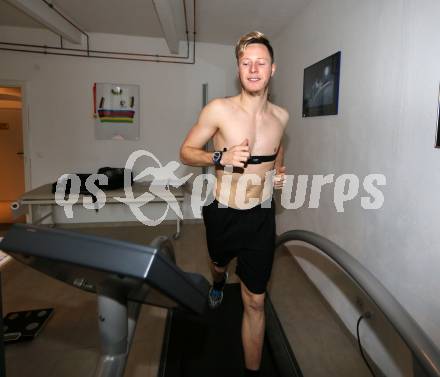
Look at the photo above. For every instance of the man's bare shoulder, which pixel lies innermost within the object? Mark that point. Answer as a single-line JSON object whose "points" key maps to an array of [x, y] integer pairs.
{"points": [[220, 108], [219, 104], [280, 113], [213, 112]]}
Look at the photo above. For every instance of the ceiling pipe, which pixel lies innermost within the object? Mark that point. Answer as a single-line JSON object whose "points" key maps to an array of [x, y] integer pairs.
{"points": [[44, 13]]}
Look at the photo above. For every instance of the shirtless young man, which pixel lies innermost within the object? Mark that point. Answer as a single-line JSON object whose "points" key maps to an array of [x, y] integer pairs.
{"points": [[251, 129]]}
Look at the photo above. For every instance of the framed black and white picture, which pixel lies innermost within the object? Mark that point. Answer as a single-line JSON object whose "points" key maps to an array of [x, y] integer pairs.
{"points": [[321, 87]]}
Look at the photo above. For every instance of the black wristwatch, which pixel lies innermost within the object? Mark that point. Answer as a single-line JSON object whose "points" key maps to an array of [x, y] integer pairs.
{"points": [[216, 158]]}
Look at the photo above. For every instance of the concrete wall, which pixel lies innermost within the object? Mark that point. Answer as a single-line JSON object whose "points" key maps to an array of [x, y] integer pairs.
{"points": [[386, 124]]}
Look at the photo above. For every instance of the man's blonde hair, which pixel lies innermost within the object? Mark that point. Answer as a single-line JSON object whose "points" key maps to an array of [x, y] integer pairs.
{"points": [[252, 38]]}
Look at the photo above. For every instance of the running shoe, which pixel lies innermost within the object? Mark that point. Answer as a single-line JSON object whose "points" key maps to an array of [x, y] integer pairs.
{"points": [[215, 296]]}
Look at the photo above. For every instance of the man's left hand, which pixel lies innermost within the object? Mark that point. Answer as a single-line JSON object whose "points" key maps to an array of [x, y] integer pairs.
{"points": [[279, 178]]}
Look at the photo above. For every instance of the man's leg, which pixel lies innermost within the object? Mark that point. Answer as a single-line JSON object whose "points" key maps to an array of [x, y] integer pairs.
{"points": [[219, 276], [252, 328], [217, 272]]}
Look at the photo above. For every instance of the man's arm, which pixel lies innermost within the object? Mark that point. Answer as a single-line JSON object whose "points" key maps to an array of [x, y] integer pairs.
{"points": [[191, 151], [279, 160], [280, 169]]}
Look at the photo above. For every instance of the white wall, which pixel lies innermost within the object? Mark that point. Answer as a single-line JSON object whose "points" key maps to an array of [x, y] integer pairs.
{"points": [[59, 96], [386, 124]]}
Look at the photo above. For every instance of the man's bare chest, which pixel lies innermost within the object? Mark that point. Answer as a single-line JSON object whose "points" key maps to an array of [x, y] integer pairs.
{"points": [[264, 135]]}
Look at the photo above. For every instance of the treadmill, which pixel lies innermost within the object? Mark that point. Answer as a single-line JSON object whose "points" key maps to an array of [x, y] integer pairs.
{"points": [[197, 342]]}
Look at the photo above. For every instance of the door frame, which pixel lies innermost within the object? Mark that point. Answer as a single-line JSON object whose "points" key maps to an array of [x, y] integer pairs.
{"points": [[23, 85]]}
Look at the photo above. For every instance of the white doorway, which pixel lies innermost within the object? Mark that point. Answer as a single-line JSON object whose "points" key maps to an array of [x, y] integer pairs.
{"points": [[12, 152]]}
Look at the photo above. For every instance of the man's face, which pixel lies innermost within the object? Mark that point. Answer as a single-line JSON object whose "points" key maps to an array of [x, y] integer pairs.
{"points": [[255, 68]]}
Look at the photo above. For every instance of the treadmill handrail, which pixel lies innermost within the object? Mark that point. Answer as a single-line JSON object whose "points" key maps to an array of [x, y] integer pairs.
{"points": [[164, 245], [421, 346]]}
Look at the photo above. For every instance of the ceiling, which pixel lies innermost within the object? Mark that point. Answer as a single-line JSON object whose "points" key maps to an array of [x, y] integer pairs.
{"points": [[217, 21]]}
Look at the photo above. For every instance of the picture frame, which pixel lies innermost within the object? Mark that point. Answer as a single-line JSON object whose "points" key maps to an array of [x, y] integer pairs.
{"points": [[116, 111], [321, 87]]}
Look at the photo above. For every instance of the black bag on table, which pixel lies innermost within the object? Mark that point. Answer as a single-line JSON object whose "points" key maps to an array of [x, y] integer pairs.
{"points": [[115, 180]]}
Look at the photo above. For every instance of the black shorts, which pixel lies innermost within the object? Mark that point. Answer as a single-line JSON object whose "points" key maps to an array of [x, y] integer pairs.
{"points": [[249, 235]]}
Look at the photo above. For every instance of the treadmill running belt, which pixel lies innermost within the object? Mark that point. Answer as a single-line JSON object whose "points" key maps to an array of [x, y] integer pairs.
{"points": [[209, 345]]}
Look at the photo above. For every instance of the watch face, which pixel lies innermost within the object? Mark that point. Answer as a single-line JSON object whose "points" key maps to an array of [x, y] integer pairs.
{"points": [[217, 156]]}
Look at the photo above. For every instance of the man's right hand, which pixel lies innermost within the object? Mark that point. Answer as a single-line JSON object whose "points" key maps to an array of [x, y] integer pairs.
{"points": [[236, 155]]}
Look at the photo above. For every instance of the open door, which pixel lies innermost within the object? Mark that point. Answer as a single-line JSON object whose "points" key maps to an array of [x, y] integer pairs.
{"points": [[12, 171]]}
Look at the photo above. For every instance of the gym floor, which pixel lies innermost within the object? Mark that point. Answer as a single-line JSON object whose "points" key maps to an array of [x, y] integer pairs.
{"points": [[69, 344]]}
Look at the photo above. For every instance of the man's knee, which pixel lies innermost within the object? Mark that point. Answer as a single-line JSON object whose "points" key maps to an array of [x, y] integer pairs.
{"points": [[220, 269], [253, 302]]}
